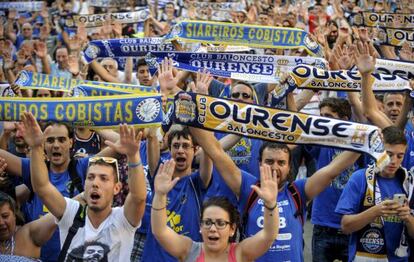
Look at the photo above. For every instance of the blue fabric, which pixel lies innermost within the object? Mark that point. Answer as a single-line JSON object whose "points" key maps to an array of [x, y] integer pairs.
{"points": [[350, 203], [245, 154], [289, 244], [323, 209], [326, 247], [219, 188], [183, 214], [50, 250], [146, 219], [408, 161]]}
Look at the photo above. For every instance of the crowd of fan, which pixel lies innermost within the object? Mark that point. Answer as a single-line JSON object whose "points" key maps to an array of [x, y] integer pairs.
{"points": [[162, 196]]}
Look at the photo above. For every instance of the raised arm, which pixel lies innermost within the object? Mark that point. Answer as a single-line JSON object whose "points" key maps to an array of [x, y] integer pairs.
{"points": [[226, 167], [366, 65], [39, 173], [129, 145], [323, 177], [175, 244], [256, 245], [153, 150]]}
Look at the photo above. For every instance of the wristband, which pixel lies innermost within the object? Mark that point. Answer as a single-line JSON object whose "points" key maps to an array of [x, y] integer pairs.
{"points": [[271, 208], [132, 165], [158, 209]]}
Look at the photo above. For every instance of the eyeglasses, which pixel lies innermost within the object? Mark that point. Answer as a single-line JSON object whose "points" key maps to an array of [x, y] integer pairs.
{"points": [[60, 139], [219, 224], [238, 94], [185, 146], [103, 159]]}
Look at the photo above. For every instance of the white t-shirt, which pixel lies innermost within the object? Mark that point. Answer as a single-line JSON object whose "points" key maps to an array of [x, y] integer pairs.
{"points": [[113, 238]]}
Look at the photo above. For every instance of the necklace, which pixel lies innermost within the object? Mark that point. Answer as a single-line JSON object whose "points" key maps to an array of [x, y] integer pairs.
{"points": [[9, 246]]}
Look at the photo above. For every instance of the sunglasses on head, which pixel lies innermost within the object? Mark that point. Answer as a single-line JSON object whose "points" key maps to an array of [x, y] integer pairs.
{"points": [[238, 94], [107, 160]]}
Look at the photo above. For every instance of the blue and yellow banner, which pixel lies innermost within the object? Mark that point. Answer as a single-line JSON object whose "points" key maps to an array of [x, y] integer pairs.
{"points": [[31, 80], [246, 35], [245, 67], [394, 67], [96, 112], [390, 20], [396, 37], [309, 77], [222, 115], [125, 47]]}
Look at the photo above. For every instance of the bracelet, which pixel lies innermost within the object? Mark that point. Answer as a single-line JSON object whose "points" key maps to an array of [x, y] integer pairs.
{"points": [[132, 165], [158, 209], [270, 208]]}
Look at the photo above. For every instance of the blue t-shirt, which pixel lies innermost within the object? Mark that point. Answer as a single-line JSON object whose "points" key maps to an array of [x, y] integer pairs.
{"points": [[408, 161], [50, 249], [164, 156], [289, 243], [324, 204], [218, 187], [245, 154], [183, 216], [351, 201]]}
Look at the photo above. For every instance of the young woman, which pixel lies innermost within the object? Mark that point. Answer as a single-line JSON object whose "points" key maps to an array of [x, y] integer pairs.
{"points": [[218, 223]]}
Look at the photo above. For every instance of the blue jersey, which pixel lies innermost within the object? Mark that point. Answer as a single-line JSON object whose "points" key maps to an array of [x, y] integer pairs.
{"points": [[408, 161], [36, 209], [218, 187], [183, 216], [90, 146], [351, 201], [324, 204], [289, 243], [245, 154], [164, 156]]}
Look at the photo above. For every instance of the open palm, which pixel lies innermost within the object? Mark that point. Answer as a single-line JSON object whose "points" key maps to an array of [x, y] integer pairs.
{"points": [[268, 189], [31, 131], [364, 61], [163, 181]]}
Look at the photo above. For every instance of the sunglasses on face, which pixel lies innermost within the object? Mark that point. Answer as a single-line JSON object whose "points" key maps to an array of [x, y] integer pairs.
{"points": [[238, 94], [108, 160]]}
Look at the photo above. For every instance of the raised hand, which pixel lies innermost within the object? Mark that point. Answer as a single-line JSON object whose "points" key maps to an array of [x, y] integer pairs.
{"points": [[203, 81], [73, 63], [12, 14], [31, 132], [268, 189], [343, 57], [40, 49], [128, 143], [163, 181], [363, 60], [165, 75], [117, 29]]}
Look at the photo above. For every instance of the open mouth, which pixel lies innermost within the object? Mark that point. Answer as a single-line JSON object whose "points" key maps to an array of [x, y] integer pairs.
{"points": [[56, 154], [180, 160], [95, 196], [213, 238]]}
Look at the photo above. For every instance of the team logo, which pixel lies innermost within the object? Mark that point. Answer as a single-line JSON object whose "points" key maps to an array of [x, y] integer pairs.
{"points": [[151, 61], [358, 19], [148, 109], [177, 30], [23, 79], [309, 43], [372, 240], [92, 51], [144, 14], [79, 92], [185, 108], [7, 92], [382, 35], [375, 142]]}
